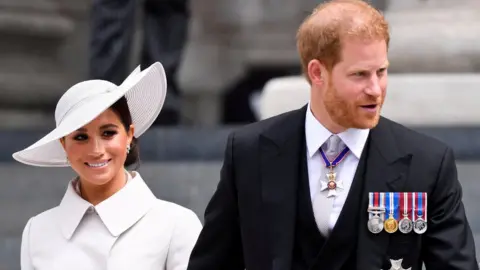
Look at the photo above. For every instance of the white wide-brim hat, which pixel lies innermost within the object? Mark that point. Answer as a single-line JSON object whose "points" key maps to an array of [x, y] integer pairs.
{"points": [[145, 92]]}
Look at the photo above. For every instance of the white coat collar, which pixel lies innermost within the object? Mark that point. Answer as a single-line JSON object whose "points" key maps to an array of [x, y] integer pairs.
{"points": [[119, 212]]}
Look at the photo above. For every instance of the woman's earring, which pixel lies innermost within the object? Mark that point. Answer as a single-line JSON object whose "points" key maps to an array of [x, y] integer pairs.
{"points": [[128, 149]]}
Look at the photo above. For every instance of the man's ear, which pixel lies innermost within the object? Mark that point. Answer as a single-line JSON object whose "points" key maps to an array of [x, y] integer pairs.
{"points": [[317, 73]]}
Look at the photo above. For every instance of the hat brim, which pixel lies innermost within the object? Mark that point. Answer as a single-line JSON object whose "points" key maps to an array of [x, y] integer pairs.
{"points": [[145, 93]]}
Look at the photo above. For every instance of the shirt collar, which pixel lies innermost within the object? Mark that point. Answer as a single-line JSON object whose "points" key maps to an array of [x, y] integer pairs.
{"points": [[135, 199], [316, 135]]}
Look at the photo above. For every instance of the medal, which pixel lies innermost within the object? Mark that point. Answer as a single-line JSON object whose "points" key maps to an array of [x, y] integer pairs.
{"points": [[405, 225], [331, 183], [391, 224], [376, 210], [397, 265], [420, 226], [331, 176], [375, 224], [420, 223]]}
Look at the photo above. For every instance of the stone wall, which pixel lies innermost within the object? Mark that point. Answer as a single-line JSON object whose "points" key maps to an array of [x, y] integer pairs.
{"points": [[428, 36], [43, 49], [435, 37], [42, 52]]}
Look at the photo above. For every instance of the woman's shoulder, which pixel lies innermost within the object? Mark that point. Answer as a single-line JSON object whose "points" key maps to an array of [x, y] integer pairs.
{"points": [[172, 208], [41, 223], [46, 217], [174, 211], [185, 224]]}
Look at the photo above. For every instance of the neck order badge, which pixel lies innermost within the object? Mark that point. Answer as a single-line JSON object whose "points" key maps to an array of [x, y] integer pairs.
{"points": [[332, 184]]}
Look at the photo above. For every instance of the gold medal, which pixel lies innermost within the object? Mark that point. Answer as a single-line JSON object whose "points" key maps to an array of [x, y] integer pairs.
{"points": [[391, 224]]}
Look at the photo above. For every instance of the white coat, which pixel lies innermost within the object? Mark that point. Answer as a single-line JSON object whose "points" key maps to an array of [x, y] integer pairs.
{"points": [[132, 229]]}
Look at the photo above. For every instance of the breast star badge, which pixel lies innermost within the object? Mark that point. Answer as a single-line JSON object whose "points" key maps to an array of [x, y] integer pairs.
{"points": [[397, 265]]}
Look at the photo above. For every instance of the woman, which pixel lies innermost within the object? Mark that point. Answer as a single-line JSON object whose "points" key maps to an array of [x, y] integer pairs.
{"points": [[108, 217]]}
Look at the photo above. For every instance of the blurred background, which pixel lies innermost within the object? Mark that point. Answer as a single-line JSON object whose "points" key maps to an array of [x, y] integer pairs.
{"points": [[229, 63]]}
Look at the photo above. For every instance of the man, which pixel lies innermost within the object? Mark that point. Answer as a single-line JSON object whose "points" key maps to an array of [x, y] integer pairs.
{"points": [[391, 200], [165, 25]]}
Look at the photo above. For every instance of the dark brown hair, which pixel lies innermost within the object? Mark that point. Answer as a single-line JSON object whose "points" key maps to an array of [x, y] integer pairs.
{"points": [[121, 109]]}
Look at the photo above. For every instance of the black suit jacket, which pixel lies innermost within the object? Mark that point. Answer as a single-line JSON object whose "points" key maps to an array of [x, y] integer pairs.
{"points": [[250, 220]]}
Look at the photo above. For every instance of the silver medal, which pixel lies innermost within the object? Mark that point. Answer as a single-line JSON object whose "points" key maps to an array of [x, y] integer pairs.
{"points": [[420, 226], [375, 224], [405, 225], [376, 214]]}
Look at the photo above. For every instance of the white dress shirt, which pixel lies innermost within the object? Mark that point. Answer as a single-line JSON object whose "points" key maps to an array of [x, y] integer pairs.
{"points": [[132, 229], [316, 135]]}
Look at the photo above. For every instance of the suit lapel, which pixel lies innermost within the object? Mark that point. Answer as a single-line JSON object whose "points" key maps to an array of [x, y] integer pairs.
{"points": [[386, 171], [281, 147]]}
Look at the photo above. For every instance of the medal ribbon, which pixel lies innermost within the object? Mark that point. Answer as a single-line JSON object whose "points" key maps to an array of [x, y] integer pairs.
{"points": [[395, 205], [392, 199], [389, 205], [414, 206], [408, 198], [374, 201], [422, 205], [403, 204], [338, 159], [405, 201], [371, 203], [382, 200], [424, 194]]}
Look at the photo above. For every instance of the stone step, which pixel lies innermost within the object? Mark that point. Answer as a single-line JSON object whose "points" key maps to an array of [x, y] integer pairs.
{"points": [[229, 36], [448, 100], [41, 5], [444, 40], [433, 99], [18, 119], [408, 5], [38, 91], [34, 24], [32, 74]]}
